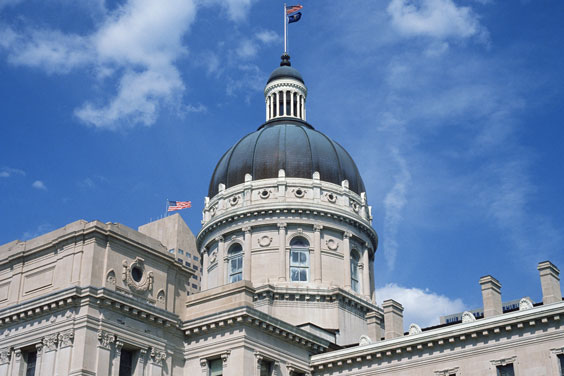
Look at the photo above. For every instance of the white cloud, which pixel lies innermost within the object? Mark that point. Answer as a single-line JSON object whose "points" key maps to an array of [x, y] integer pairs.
{"points": [[247, 49], [422, 307], [6, 172], [267, 36], [236, 9], [38, 184], [434, 18]]}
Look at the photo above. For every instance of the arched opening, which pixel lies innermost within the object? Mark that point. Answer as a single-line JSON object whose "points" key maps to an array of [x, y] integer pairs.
{"points": [[288, 103], [280, 103], [295, 101], [299, 260], [355, 259], [235, 256], [273, 104]]}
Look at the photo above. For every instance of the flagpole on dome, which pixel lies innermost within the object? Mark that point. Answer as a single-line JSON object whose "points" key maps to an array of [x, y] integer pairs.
{"points": [[285, 31]]}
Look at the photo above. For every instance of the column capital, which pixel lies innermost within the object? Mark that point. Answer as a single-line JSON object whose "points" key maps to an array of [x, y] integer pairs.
{"points": [[247, 229], [5, 355], [142, 355], [39, 348], [157, 356], [106, 339], [50, 342], [219, 239], [347, 235], [66, 337], [317, 227], [119, 345], [282, 225]]}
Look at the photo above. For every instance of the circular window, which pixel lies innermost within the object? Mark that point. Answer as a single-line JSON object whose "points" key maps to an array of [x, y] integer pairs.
{"points": [[331, 197], [355, 206], [136, 274], [299, 193], [234, 200], [264, 194]]}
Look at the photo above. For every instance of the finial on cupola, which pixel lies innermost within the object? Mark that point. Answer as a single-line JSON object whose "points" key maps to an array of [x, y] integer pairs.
{"points": [[285, 60]]}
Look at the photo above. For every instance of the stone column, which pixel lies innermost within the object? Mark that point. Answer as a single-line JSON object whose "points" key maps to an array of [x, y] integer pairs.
{"points": [[317, 254], [49, 354], [220, 260], [247, 254], [224, 364], [117, 358], [284, 103], [205, 266], [302, 107], [18, 365], [347, 259], [5, 355], [39, 361], [141, 361], [366, 272], [103, 363], [64, 353], [282, 251], [293, 103], [156, 362]]}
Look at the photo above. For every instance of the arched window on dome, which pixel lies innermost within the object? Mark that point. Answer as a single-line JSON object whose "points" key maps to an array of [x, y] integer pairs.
{"points": [[299, 260], [273, 104], [355, 259], [288, 103], [235, 257], [295, 101], [280, 103]]}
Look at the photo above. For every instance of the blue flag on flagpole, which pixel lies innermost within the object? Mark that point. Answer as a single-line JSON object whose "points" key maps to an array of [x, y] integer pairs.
{"points": [[294, 17]]}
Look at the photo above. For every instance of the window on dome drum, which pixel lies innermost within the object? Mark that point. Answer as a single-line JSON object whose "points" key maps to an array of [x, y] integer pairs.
{"points": [[273, 104], [295, 100], [288, 103], [506, 370], [355, 258], [299, 260], [126, 362], [30, 358], [180, 252], [235, 256], [215, 367]]}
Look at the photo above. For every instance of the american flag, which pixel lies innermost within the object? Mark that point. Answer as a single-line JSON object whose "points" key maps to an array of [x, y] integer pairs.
{"points": [[293, 8], [177, 205]]}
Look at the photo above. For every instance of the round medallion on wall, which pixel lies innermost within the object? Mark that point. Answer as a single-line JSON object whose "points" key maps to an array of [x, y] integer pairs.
{"points": [[299, 193], [136, 277], [264, 194], [332, 244], [265, 240], [234, 200], [355, 205], [331, 197], [213, 210]]}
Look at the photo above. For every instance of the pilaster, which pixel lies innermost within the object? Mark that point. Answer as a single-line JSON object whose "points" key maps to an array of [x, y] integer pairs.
{"points": [[282, 269], [247, 249], [220, 260], [318, 266], [347, 259]]}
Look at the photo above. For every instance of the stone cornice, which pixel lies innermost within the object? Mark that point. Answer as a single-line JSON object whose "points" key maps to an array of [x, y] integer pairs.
{"points": [[438, 338], [254, 318]]}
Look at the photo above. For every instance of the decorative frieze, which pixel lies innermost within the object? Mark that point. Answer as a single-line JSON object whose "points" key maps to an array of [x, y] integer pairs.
{"points": [[50, 342], [66, 338], [504, 361], [447, 372], [136, 277], [157, 356], [5, 354], [106, 339]]}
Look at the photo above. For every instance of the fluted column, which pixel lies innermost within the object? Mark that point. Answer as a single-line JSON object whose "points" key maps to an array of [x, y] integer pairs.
{"points": [[347, 259], [303, 109], [282, 251], [317, 253], [205, 266], [293, 103], [247, 254], [220, 260], [18, 364], [267, 106], [366, 273], [284, 104]]}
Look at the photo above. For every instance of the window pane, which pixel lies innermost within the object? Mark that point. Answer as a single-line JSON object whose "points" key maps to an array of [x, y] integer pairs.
{"points": [[505, 370], [303, 258], [295, 258], [561, 358], [31, 362], [294, 274], [303, 275], [216, 367]]}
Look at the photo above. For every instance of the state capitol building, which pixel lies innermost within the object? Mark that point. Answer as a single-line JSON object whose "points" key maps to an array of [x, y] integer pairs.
{"points": [[279, 281]]}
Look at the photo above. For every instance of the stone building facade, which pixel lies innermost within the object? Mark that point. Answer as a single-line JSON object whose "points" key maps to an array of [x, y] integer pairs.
{"points": [[278, 281]]}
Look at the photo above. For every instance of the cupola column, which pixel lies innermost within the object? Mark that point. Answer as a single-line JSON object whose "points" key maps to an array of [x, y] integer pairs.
{"points": [[205, 266], [347, 259], [317, 253], [284, 104], [282, 251], [366, 272], [247, 254]]}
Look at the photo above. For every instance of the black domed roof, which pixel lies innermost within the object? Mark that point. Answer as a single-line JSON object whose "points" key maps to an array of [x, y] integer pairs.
{"points": [[285, 70], [290, 144]]}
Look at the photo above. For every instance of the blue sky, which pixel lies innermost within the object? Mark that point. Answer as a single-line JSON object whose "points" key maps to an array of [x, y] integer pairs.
{"points": [[452, 110]]}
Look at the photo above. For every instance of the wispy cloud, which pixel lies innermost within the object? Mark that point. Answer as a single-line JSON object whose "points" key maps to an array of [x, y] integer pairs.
{"points": [[412, 299], [6, 172], [38, 184]]}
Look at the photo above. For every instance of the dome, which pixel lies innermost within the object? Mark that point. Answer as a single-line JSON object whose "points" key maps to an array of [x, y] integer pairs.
{"points": [[289, 144], [285, 70]]}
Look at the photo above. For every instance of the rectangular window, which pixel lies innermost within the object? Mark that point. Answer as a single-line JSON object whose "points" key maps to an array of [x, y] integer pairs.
{"points": [[215, 367], [195, 276], [194, 286], [236, 269], [299, 265], [179, 260], [126, 363], [187, 264], [30, 363], [171, 250], [180, 252], [195, 267], [195, 258], [506, 370], [561, 362], [266, 368], [188, 255]]}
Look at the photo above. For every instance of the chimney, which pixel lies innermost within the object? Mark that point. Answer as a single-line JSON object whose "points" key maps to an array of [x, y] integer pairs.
{"points": [[393, 319], [374, 321], [550, 282], [491, 296]]}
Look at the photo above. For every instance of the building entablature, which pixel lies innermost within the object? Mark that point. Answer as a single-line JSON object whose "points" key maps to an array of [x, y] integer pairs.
{"points": [[248, 316], [287, 192], [437, 340]]}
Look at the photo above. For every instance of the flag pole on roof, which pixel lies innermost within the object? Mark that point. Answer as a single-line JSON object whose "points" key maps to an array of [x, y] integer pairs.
{"points": [[290, 16], [285, 30]]}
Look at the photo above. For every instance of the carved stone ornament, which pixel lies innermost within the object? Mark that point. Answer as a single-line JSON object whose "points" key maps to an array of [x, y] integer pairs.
{"points": [[5, 355], [106, 339], [558, 351], [354, 205], [111, 277], [299, 193], [332, 244], [447, 372], [525, 303], [161, 296], [264, 194], [504, 361], [467, 317], [136, 277], [66, 337], [213, 210], [331, 197], [265, 240], [234, 200], [213, 257], [50, 342], [414, 329], [157, 356], [364, 340]]}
